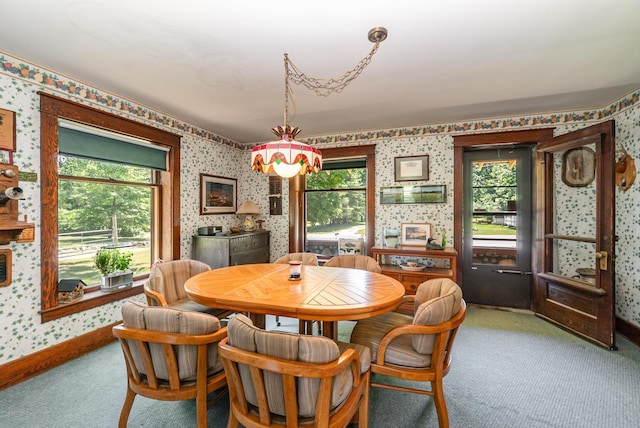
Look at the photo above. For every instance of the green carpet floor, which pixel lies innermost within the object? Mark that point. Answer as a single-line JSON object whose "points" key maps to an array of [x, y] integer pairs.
{"points": [[509, 370]]}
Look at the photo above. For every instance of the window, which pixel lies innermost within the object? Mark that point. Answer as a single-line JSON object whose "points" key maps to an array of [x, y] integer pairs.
{"points": [[336, 206], [338, 201], [71, 182], [103, 204]]}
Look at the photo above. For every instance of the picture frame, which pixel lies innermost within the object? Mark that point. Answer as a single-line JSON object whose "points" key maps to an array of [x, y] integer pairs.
{"points": [[415, 234], [6, 156], [578, 167], [218, 195], [7, 130], [431, 194], [411, 168]]}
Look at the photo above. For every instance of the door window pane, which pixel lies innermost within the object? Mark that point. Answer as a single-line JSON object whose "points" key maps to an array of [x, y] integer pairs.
{"points": [[494, 187]]}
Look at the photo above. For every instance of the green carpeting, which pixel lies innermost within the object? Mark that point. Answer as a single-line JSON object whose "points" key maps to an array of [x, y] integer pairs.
{"points": [[509, 370]]}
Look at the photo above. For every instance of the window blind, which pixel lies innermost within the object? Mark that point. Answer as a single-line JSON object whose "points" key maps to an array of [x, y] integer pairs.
{"points": [[80, 140]]}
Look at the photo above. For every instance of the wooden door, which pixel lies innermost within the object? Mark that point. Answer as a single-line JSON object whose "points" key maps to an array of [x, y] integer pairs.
{"points": [[574, 282]]}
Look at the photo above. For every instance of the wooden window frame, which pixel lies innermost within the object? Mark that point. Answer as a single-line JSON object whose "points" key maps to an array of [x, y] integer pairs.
{"points": [[296, 196], [168, 240]]}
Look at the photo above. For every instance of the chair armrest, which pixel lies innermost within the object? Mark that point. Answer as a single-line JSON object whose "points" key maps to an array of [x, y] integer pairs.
{"points": [[122, 332], [349, 359], [154, 296]]}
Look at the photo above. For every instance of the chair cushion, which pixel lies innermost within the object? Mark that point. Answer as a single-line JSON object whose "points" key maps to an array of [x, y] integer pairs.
{"points": [[437, 301], [363, 352], [190, 305], [370, 331], [169, 320], [291, 346], [436, 288]]}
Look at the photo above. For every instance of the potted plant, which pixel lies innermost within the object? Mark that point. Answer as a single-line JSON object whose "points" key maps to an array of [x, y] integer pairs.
{"points": [[113, 265]]}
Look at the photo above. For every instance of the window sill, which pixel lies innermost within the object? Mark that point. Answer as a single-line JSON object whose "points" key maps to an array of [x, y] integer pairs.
{"points": [[89, 301]]}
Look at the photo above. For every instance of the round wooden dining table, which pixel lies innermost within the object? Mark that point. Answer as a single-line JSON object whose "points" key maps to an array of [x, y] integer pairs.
{"points": [[327, 294]]}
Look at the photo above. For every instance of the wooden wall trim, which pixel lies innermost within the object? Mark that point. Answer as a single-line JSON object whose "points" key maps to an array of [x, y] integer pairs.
{"points": [[34, 364], [628, 330], [505, 137]]}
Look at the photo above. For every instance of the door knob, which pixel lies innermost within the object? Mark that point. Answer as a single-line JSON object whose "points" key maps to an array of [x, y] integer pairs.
{"points": [[602, 256]]}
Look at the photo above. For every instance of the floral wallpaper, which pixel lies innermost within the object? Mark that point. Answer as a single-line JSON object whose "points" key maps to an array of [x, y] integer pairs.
{"points": [[21, 332]]}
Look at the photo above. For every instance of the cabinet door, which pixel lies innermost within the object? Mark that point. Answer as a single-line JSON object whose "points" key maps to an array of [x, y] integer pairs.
{"points": [[212, 251], [258, 255], [260, 240], [411, 282]]}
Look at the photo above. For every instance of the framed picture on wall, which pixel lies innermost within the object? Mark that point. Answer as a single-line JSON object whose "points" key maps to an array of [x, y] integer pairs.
{"points": [[578, 167], [6, 156], [415, 234], [218, 195], [411, 168], [7, 130]]}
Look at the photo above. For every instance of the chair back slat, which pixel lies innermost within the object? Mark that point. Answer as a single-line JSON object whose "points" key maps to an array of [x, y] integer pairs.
{"points": [[145, 363]]}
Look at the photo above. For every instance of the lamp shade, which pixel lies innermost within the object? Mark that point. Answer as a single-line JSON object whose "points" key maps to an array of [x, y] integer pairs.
{"points": [[286, 158], [248, 208]]}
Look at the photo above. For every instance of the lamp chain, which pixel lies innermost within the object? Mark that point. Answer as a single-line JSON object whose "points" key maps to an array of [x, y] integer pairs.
{"points": [[321, 86]]}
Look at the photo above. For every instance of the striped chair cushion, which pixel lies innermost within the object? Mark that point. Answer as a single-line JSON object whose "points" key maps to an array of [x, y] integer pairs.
{"points": [[369, 332], [157, 318], [437, 301], [312, 349], [168, 278], [356, 261]]}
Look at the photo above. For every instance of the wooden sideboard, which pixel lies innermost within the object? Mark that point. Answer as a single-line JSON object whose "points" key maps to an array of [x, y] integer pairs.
{"points": [[412, 279], [234, 249]]}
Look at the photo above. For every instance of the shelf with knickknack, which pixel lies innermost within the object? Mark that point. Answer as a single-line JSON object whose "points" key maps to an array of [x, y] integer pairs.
{"points": [[412, 265], [11, 229]]}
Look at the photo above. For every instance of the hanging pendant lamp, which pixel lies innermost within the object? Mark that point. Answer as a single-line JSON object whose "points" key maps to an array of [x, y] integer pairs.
{"points": [[286, 156]]}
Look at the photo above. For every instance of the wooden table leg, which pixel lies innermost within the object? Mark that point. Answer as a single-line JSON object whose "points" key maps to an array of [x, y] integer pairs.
{"points": [[330, 329], [258, 320]]}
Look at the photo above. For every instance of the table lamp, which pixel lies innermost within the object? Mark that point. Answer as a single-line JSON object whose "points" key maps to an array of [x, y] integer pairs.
{"points": [[248, 209]]}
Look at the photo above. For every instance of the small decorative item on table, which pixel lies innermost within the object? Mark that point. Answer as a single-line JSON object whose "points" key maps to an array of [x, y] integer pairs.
{"points": [[295, 270]]}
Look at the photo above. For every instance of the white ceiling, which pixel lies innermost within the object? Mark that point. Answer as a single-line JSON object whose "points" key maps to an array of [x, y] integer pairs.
{"points": [[219, 65]]}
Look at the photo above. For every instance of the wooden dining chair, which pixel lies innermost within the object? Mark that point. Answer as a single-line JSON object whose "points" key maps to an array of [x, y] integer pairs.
{"points": [[354, 261], [308, 259], [170, 355], [279, 379], [418, 347], [165, 287]]}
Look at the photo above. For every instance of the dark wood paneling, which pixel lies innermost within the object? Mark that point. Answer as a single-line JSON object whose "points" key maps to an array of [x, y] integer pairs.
{"points": [[578, 301]]}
